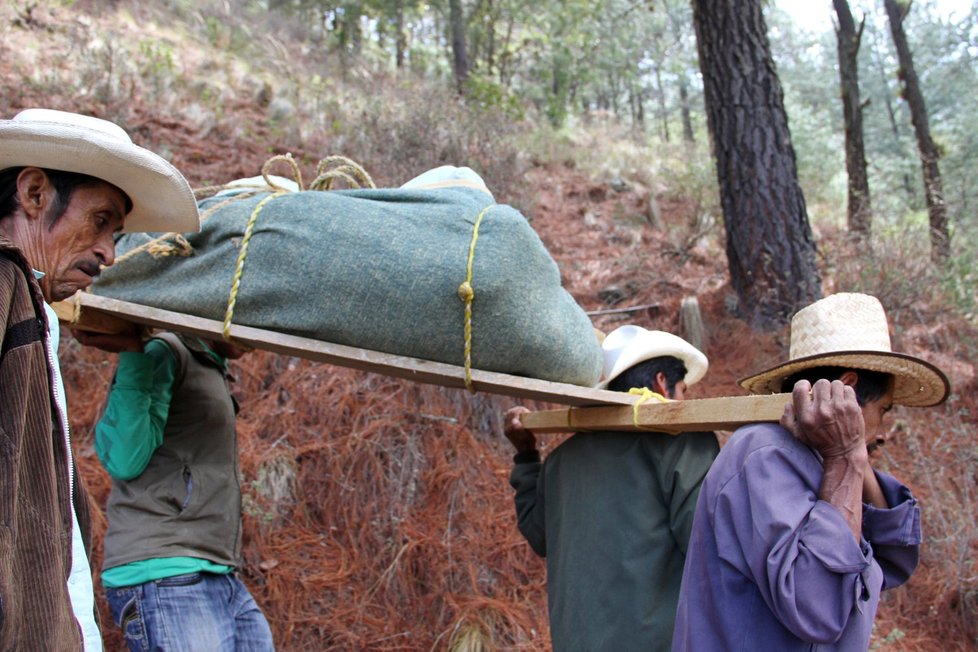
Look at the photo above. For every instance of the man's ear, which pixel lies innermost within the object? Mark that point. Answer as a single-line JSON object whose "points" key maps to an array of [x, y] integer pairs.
{"points": [[34, 192], [660, 384], [849, 377]]}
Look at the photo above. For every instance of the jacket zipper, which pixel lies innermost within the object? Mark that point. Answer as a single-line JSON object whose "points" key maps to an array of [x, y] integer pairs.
{"points": [[59, 402]]}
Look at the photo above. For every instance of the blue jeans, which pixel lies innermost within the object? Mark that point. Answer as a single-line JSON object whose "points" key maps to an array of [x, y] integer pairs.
{"points": [[189, 613]]}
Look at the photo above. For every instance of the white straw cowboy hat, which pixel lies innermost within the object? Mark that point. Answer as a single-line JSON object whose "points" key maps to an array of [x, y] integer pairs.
{"points": [[628, 345], [161, 198], [850, 330]]}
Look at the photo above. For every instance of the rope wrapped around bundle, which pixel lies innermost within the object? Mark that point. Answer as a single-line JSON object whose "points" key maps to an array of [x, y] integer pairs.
{"points": [[436, 271]]}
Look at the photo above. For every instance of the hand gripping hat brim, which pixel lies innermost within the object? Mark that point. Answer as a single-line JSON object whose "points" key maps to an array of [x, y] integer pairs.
{"points": [[628, 345], [850, 330], [162, 200]]}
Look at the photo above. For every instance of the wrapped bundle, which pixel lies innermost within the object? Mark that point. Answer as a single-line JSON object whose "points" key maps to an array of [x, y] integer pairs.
{"points": [[380, 269]]}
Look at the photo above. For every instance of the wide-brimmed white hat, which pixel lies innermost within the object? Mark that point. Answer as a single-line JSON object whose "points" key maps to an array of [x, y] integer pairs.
{"points": [[850, 330], [161, 198], [628, 345]]}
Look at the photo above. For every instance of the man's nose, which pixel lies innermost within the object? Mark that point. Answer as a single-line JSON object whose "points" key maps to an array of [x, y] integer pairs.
{"points": [[886, 434], [105, 250]]}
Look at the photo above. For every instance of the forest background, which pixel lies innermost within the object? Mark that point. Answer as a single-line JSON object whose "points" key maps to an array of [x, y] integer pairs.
{"points": [[378, 516]]}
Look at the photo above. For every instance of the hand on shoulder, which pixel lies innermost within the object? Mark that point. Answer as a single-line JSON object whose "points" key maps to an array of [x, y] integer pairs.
{"points": [[521, 438], [827, 417]]}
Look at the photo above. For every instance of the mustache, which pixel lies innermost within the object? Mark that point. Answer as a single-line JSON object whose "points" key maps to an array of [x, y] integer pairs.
{"points": [[90, 267]]}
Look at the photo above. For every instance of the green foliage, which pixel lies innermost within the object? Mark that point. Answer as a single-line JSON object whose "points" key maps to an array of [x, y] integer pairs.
{"points": [[230, 36], [489, 95], [157, 64], [959, 277], [272, 490], [411, 127], [811, 86], [556, 102], [897, 269], [944, 60], [158, 56], [546, 145], [892, 637]]}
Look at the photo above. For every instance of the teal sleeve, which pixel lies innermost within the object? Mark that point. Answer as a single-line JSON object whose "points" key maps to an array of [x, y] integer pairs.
{"points": [[131, 428]]}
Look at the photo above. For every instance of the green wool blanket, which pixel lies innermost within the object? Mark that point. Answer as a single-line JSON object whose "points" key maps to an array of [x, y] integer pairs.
{"points": [[377, 269]]}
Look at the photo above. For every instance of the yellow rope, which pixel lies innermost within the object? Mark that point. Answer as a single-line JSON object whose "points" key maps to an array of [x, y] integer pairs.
{"points": [[168, 244], [467, 295], [343, 169], [287, 159], [330, 169], [646, 394], [175, 244], [348, 170], [239, 269], [247, 194], [250, 190]]}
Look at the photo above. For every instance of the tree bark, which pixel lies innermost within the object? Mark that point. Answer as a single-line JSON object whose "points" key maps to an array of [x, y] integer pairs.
{"points": [[661, 102], [636, 104], [400, 42], [504, 76], [684, 109], [460, 57], [491, 38], [770, 249], [940, 239], [860, 212]]}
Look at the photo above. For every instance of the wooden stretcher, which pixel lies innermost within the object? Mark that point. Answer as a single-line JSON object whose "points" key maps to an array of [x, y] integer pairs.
{"points": [[591, 409]]}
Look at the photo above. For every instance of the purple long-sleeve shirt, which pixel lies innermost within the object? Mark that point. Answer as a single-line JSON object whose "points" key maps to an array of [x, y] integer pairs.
{"points": [[772, 567]]}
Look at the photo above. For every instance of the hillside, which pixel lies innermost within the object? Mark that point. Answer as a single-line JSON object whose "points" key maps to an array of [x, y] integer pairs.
{"points": [[377, 511]]}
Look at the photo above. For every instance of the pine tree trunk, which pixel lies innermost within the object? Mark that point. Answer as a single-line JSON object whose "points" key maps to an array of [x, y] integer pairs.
{"points": [[460, 57], [401, 39], [940, 239], [661, 97], [770, 249], [685, 109], [860, 209]]}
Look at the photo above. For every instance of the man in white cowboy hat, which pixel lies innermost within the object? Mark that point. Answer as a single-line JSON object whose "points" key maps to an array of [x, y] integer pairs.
{"points": [[612, 511], [68, 184], [795, 533]]}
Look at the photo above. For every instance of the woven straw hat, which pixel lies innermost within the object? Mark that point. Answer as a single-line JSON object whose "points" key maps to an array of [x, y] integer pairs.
{"points": [[161, 198], [850, 330], [628, 345]]}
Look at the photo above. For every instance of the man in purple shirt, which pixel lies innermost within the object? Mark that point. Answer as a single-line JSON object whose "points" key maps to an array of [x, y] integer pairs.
{"points": [[795, 534]]}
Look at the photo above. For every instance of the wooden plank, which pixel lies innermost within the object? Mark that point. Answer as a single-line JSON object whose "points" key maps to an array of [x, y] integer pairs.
{"points": [[69, 312], [650, 307], [724, 413], [85, 308]]}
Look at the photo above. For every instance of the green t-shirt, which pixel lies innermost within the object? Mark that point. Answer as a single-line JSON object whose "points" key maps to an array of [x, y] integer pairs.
{"points": [[127, 435]]}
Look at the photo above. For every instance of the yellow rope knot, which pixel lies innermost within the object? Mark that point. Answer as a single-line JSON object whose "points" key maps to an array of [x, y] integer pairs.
{"points": [[647, 395], [466, 293]]}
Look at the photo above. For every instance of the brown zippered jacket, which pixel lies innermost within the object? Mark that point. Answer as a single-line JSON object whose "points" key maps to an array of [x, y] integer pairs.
{"points": [[35, 509]]}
